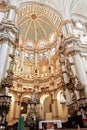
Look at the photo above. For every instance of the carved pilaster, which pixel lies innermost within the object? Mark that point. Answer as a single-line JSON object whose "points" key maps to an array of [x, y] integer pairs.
{"points": [[54, 109]]}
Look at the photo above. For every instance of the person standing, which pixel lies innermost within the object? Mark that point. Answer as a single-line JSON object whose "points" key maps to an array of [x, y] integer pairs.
{"points": [[32, 126], [21, 123]]}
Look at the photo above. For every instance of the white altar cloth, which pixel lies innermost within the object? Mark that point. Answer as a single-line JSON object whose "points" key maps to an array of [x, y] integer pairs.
{"points": [[58, 122]]}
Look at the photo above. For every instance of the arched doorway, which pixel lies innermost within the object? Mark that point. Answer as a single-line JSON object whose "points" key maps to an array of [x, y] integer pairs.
{"points": [[46, 106]]}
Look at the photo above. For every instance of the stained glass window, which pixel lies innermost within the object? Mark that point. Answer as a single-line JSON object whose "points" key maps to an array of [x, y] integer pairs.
{"points": [[53, 37], [31, 56], [40, 56], [29, 45], [26, 55], [42, 44], [45, 55]]}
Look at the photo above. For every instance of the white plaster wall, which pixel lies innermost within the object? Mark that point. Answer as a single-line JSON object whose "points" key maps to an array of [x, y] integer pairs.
{"points": [[1, 16]]}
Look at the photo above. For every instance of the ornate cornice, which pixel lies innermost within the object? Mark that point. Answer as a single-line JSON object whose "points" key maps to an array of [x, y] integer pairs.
{"points": [[69, 45], [72, 50], [39, 79], [9, 25], [7, 37], [71, 39], [5, 29]]}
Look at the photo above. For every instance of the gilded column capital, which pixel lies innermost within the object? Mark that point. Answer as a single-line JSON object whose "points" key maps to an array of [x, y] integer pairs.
{"points": [[71, 39], [9, 33], [71, 45]]}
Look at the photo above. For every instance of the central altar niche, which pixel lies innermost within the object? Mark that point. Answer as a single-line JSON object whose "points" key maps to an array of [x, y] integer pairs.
{"points": [[33, 116]]}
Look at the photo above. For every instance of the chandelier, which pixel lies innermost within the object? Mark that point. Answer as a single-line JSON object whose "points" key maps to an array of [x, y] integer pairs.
{"points": [[33, 113], [34, 100]]}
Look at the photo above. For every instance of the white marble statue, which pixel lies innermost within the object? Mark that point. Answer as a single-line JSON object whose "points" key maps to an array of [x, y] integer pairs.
{"points": [[62, 98], [6, 90]]}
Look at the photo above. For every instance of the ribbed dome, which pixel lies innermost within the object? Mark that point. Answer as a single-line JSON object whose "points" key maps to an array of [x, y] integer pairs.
{"points": [[36, 28]]}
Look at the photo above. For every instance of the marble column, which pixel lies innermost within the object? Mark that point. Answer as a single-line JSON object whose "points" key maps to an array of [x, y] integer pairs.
{"points": [[3, 58], [84, 63], [80, 70]]}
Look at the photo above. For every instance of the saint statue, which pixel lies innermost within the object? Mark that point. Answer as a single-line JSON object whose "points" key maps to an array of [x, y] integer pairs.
{"points": [[62, 98], [33, 96], [6, 90]]}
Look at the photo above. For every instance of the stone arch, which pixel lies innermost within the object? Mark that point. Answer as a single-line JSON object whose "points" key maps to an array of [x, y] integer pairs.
{"points": [[45, 106]]}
